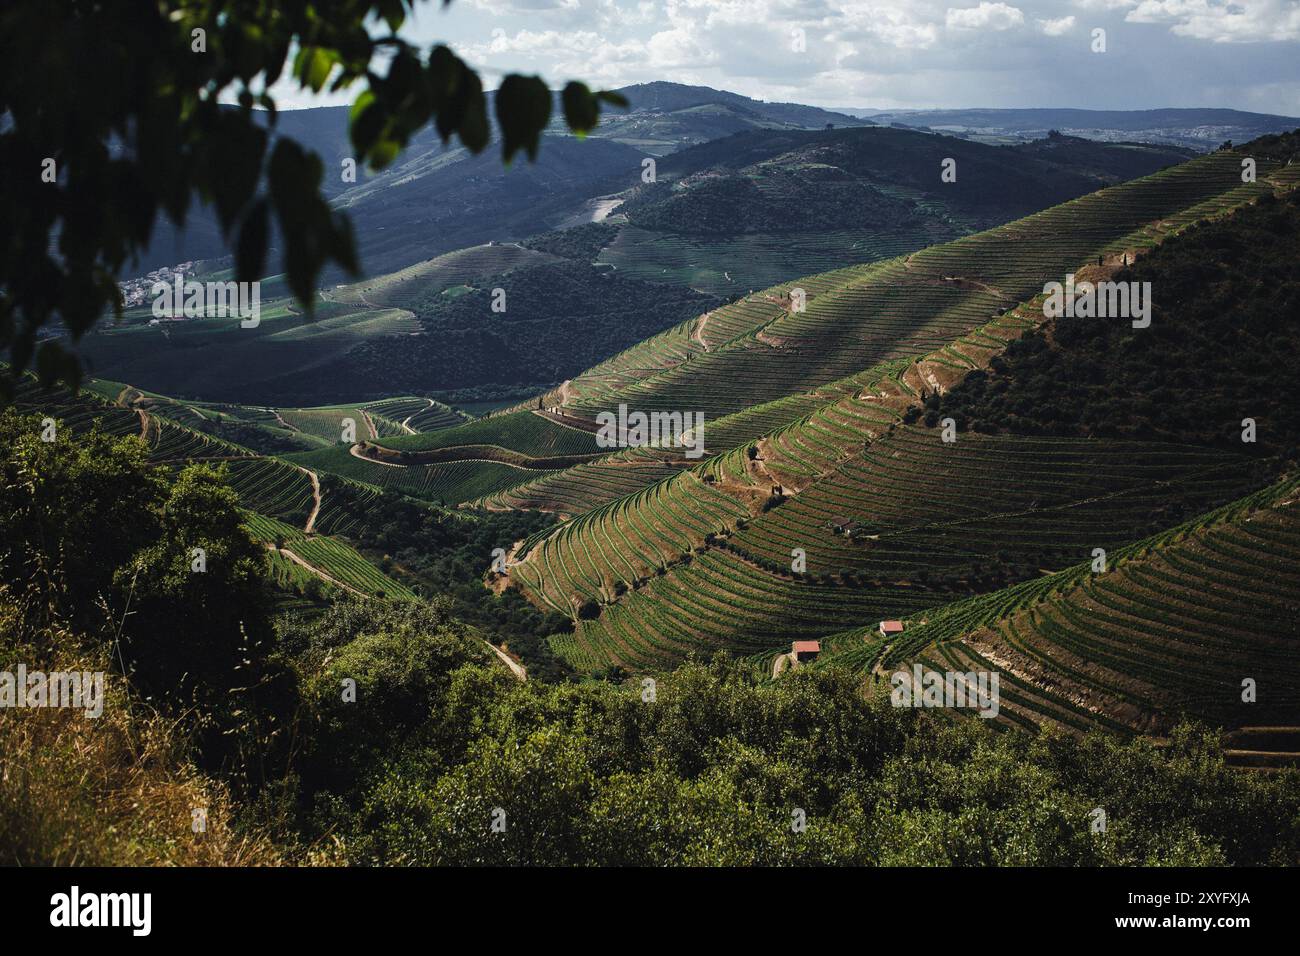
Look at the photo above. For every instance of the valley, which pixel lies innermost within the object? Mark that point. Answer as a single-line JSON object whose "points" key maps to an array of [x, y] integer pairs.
{"points": [[821, 443], [435, 463]]}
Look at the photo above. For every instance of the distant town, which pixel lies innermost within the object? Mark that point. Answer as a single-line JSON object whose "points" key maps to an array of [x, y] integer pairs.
{"points": [[136, 292]]}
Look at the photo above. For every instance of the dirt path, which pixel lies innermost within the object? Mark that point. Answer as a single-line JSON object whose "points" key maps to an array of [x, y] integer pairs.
{"points": [[566, 421], [315, 495], [697, 334], [406, 422], [566, 391], [515, 667], [125, 400], [370, 423], [355, 452], [270, 546]]}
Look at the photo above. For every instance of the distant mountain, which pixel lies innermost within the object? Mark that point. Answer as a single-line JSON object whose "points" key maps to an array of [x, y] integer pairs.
{"points": [[438, 197], [434, 199], [666, 116], [722, 219], [1200, 129], [800, 180]]}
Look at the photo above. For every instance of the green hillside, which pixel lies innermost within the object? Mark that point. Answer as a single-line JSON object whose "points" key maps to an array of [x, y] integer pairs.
{"points": [[1173, 626], [503, 317], [887, 517]]}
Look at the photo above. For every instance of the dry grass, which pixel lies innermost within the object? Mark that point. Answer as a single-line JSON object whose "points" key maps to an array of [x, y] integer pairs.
{"points": [[117, 790]]}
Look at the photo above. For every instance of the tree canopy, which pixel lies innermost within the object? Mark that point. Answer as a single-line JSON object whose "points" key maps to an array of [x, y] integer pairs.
{"points": [[111, 114]]}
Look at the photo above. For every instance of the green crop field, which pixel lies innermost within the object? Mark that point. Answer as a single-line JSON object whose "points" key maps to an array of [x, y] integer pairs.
{"points": [[329, 423], [406, 287], [660, 559], [531, 435], [449, 483], [329, 555], [1174, 622], [760, 350], [745, 263]]}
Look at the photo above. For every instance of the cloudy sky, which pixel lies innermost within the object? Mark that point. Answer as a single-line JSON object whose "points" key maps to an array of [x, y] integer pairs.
{"points": [[896, 53]]}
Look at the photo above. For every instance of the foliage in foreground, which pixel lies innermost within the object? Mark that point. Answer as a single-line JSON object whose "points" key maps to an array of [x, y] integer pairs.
{"points": [[710, 766], [715, 770]]}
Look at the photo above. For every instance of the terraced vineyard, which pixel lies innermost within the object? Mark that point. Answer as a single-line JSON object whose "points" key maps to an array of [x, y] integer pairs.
{"points": [[1176, 623], [77, 413], [862, 316], [727, 266], [450, 483], [327, 424], [586, 486], [532, 435], [272, 487], [406, 287], [436, 416], [414, 414], [919, 505], [810, 457], [625, 541], [340, 563], [717, 601]]}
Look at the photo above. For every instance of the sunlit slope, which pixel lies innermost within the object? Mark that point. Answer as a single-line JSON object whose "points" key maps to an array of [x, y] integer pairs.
{"points": [[929, 522], [1175, 624], [759, 349], [702, 557], [280, 498], [407, 286]]}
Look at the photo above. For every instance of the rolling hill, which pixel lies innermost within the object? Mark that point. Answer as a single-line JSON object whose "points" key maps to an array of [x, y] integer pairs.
{"points": [[1199, 129], [825, 436], [439, 198], [908, 438], [722, 219]]}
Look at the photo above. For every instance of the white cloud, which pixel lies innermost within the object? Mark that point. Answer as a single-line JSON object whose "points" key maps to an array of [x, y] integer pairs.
{"points": [[987, 16], [1058, 27], [1248, 21], [895, 53], [1105, 4]]}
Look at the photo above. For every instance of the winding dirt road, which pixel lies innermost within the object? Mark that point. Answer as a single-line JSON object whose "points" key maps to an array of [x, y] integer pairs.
{"points": [[315, 495]]}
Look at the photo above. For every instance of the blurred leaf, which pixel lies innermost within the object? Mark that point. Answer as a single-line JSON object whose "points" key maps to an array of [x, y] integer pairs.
{"points": [[580, 110], [250, 256], [523, 105]]}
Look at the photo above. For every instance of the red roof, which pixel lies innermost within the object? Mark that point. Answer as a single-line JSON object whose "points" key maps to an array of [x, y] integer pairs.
{"points": [[804, 647], [892, 627]]}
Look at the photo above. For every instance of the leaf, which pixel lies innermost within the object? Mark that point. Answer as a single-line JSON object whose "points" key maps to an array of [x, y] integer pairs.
{"points": [[366, 124], [50, 362], [523, 110], [314, 65], [581, 112], [473, 129], [250, 255]]}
